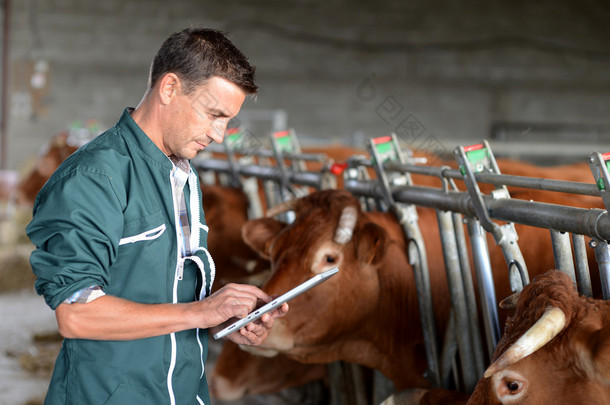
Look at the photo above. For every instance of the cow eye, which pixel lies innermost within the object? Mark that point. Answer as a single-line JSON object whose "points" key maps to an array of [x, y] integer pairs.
{"points": [[513, 386]]}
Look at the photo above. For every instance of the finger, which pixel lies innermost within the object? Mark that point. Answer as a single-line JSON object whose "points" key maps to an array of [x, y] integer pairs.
{"points": [[256, 328], [276, 313], [250, 290], [254, 334]]}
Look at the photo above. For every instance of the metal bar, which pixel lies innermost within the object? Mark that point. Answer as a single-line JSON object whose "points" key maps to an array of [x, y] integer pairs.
{"points": [[216, 165], [256, 151], [364, 188], [582, 265], [310, 157], [562, 186], [562, 252], [592, 222], [473, 314], [487, 291], [458, 299], [311, 179], [602, 255], [416, 251], [255, 206], [448, 354]]}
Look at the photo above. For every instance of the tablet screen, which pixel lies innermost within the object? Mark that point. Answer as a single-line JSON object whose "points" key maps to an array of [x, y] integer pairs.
{"points": [[257, 313]]}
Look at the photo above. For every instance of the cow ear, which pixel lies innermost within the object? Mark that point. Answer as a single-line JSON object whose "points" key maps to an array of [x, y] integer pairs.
{"points": [[597, 355], [371, 243], [259, 233]]}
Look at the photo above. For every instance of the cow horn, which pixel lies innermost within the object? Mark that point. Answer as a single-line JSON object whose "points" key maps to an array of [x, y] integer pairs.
{"points": [[281, 208], [346, 225], [546, 328]]}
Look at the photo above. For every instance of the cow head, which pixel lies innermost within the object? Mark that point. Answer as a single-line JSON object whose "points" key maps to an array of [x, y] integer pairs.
{"points": [[555, 349], [330, 230]]}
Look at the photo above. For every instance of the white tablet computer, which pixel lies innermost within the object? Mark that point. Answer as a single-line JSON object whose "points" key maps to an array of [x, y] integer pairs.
{"points": [[257, 313]]}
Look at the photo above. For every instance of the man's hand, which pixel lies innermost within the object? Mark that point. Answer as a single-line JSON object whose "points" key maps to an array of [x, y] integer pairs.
{"points": [[254, 333], [236, 301]]}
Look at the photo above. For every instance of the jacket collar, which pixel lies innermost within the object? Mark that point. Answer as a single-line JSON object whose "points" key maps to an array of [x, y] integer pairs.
{"points": [[135, 134]]}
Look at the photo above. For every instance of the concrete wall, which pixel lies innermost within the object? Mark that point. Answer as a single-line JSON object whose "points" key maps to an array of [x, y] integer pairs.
{"points": [[436, 72]]}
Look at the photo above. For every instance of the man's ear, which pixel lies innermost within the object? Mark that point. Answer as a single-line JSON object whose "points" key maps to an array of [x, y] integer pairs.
{"points": [[168, 87], [259, 233]]}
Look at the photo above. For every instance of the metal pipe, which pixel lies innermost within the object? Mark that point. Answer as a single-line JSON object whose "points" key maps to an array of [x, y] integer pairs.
{"points": [[473, 314], [311, 179], [310, 157], [418, 261], [458, 299], [562, 252], [364, 188], [562, 186], [448, 352], [592, 222], [487, 291], [582, 265], [602, 255]]}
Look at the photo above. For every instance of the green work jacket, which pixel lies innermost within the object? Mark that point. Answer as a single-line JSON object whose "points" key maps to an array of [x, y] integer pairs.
{"points": [[106, 217]]}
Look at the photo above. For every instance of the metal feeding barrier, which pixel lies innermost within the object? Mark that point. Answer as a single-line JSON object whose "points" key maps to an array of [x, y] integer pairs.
{"points": [[242, 162], [457, 359], [394, 191]]}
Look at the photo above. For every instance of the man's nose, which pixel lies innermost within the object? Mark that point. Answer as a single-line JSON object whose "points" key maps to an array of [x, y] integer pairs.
{"points": [[217, 132]]}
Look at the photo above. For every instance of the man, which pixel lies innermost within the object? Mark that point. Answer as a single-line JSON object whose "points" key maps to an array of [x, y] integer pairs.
{"points": [[121, 239]]}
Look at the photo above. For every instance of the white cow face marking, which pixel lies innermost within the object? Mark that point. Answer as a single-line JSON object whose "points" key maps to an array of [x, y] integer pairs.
{"points": [[329, 255]]}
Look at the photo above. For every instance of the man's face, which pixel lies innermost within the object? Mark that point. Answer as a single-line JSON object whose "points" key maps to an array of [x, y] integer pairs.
{"points": [[197, 120]]}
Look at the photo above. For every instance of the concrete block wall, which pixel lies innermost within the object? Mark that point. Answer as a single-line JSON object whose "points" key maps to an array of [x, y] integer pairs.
{"points": [[437, 72]]}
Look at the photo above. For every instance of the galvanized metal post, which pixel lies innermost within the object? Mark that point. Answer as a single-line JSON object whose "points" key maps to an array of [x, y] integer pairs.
{"points": [[562, 252], [602, 255], [419, 261], [458, 299], [487, 291], [386, 149], [473, 315], [582, 265], [477, 159], [447, 361]]}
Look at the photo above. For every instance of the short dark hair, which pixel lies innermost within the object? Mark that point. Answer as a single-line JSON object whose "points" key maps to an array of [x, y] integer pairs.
{"points": [[195, 54]]}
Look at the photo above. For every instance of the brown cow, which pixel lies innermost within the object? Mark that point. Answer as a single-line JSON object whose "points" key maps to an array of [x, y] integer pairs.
{"points": [[239, 373], [555, 350], [53, 154], [368, 313], [564, 358]]}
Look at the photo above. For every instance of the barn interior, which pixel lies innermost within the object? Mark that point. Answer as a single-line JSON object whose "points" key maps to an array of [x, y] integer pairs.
{"points": [[530, 78]]}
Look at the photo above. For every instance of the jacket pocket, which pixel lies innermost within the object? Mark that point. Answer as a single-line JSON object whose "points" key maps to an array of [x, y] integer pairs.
{"points": [[151, 234], [126, 394]]}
